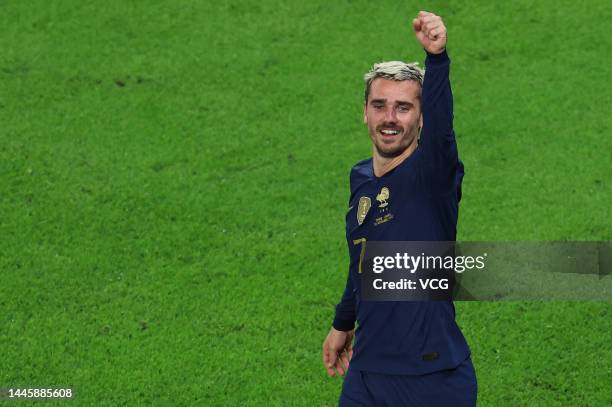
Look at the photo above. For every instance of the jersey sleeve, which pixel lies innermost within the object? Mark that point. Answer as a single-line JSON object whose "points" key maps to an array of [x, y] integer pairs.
{"points": [[345, 310], [345, 317], [438, 142]]}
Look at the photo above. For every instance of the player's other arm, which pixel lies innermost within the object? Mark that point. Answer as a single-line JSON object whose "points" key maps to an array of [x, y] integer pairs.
{"points": [[338, 345], [437, 137], [345, 310]]}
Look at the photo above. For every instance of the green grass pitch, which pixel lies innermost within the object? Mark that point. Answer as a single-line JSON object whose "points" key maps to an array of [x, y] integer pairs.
{"points": [[174, 178]]}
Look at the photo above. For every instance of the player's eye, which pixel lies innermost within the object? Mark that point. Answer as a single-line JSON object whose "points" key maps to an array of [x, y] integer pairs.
{"points": [[378, 106], [403, 108]]}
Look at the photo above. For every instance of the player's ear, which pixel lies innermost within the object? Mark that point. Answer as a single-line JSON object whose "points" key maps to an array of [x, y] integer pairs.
{"points": [[365, 111], [420, 122]]}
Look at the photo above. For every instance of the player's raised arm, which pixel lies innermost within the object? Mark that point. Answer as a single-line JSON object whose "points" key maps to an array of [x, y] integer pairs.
{"points": [[437, 137], [437, 99]]}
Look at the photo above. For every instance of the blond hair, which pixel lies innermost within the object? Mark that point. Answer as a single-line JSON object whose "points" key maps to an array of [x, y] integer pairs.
{"points": [[395, 71]]}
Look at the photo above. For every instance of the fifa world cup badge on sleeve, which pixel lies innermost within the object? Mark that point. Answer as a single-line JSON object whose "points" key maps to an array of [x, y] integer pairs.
{"points": [[364, 206]]}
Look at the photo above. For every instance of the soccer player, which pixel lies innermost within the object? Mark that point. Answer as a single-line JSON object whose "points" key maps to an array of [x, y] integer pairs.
{"points": [[406, 353]]}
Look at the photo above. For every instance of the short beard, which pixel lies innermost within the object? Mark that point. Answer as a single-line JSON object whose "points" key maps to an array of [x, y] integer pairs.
{"points": [[398, 152], [390, 154]]}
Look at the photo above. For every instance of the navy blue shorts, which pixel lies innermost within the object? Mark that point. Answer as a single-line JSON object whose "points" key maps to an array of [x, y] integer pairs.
{"points": [[454, 387]]}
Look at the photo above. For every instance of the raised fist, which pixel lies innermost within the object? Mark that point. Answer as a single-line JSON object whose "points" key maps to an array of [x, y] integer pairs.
{"points": [[430, 31]]}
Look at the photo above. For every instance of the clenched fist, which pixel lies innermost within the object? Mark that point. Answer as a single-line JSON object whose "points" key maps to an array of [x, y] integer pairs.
{"points": [[430, 31]]}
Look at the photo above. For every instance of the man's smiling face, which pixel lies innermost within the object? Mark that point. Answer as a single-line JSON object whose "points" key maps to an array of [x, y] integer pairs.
{"points": [[393, 115]]}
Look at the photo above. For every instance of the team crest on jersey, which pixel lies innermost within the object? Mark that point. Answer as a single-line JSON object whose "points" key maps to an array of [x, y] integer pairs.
{"points": [[364, 206], [382, 197]]}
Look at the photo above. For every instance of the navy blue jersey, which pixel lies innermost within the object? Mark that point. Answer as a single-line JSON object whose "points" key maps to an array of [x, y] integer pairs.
{"points": [[416, 201]]}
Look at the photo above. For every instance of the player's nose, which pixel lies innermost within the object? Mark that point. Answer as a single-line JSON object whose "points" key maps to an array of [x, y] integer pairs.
{"points": [[390, 115]]}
